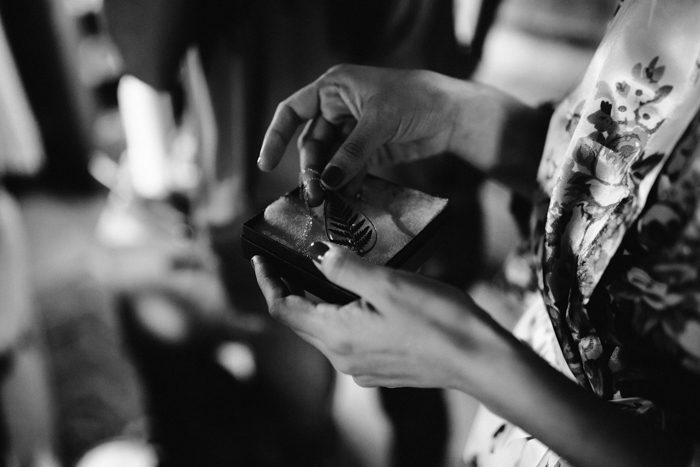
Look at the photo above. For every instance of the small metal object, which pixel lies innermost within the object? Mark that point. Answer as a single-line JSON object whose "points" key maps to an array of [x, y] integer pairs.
{"points": [[348, 227], [315, 173], [304, 179]]}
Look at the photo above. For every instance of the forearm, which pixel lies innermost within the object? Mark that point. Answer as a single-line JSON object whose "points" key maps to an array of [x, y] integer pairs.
{"points": [[587, 431], [487, 128], [502, 137]]}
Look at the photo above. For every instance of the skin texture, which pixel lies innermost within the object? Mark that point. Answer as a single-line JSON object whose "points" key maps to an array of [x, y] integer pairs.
{"points": [[356, 115], [411, 331], [408, 330]]}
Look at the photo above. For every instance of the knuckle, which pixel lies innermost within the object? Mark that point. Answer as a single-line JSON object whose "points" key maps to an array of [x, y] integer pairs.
{"points": [[306, 134], [279, 309], [337, 69], [417, 75], [277, 133], [335, 263], [344, 365], [353, 151], [364, 381], [284, 112], [392, 285], [281, 108], [275, 309], [341, 346]]}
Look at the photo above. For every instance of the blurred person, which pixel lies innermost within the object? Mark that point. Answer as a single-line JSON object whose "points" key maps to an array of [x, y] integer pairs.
{"points": [[153, 38], [26, 421], [255, 418], [603, 367], [36, 426]]}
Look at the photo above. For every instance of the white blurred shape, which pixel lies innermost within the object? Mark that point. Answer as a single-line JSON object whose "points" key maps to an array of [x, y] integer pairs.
{"points": [[120, 453], [149, 126], [237, 359], [162, 318]]}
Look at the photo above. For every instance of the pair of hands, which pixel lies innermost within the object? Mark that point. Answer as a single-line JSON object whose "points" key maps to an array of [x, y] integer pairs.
{"points": [[407, 330], [355, 115]]}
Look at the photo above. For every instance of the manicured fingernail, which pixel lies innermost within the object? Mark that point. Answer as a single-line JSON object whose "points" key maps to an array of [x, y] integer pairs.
{"points": [[313, 193], [317, 250], [332, 176]]}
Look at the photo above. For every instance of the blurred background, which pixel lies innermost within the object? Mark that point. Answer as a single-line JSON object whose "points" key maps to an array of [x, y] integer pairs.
{"points": [[131, 329]]}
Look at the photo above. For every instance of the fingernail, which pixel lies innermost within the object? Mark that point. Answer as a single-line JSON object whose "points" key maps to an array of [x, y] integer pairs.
{"points": [[332, 176], [305, 195], [313, 193], [259, 161], [317, 250]]}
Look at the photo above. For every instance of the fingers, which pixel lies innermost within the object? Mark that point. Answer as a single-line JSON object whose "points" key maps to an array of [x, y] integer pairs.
{"points": [[371, 282], [315, 144], [340, 104], [296, 312], [299, 107], [351, 157], [354, 186], [330, 101], [271, 285]]}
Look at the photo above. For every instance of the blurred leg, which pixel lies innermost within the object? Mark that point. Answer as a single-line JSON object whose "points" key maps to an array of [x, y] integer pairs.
{"points": [[25, 393], [231, 101], [419, 420], [98, 396], [296, 379], [28, 409]]}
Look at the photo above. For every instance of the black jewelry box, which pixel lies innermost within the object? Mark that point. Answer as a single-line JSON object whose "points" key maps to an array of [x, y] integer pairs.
{"points": [[385, 224]]}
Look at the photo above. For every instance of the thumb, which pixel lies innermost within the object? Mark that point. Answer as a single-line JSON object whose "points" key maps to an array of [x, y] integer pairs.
{"points": [[352, 155], [349, 271]]}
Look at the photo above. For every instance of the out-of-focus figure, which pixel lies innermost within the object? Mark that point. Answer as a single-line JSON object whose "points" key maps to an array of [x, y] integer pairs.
{"points": [[26, 431], [192, 323], [227, 85]]}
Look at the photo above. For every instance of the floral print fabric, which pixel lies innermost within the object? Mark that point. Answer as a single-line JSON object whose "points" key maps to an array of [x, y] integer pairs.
{"points": [[616, 230], [612, 141]]}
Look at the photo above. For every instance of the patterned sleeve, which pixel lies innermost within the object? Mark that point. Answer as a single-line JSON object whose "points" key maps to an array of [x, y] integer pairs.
{"points": [[608, 144]]}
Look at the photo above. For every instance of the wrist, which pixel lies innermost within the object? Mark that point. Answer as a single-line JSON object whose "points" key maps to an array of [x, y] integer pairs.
{"points": [[485, 350], [498, 135], [480, 116]]}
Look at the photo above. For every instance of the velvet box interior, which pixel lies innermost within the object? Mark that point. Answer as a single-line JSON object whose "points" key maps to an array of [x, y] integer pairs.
{"points": [[385, 224]]}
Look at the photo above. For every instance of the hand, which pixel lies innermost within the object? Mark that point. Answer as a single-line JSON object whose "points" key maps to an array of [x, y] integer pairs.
{"points": [[353, 113], [410, 331], [407, 330]]}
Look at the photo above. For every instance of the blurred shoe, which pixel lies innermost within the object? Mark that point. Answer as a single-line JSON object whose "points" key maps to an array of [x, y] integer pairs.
{"points": [[120, 453]]}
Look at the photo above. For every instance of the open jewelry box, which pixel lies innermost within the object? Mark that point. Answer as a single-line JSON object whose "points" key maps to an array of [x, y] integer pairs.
{"points": [[385, 224]]}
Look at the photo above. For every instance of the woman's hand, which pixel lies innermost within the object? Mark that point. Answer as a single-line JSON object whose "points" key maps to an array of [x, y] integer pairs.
{"points": [[406, 331], [410, 331], [354, 114]]}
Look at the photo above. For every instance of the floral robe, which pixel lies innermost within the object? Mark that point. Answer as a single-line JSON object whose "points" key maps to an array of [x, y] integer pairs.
{"points": [[616, 231]]}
